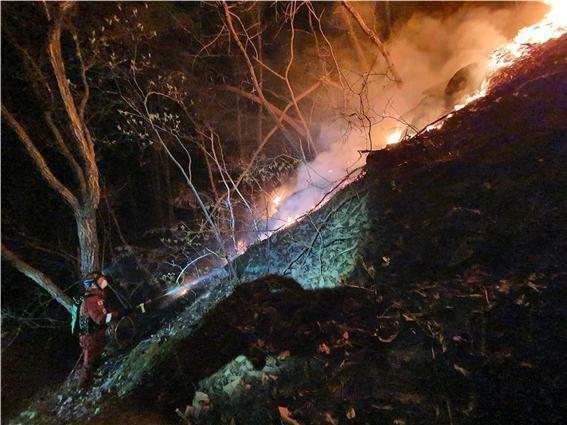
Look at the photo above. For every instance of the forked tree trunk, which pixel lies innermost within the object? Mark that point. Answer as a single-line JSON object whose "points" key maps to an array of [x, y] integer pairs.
{"points": [[79, 142]]}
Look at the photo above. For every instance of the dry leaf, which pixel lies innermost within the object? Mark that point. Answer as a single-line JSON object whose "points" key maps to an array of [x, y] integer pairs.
{"points": [[460, 369], [284, 414], [266, 377], [388, 339], [350, 414], [324, 348], [329, 420], [535, 287]]}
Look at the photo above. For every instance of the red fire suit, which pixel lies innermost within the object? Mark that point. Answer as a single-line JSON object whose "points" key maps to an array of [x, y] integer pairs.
{"points": [[93, 343]]}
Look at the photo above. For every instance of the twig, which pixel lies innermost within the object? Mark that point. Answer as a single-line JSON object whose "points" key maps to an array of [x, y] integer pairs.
{"points": [[318, 232]]}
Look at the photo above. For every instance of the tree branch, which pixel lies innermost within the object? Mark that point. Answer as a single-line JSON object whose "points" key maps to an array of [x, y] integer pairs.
{"points": [[375, 39], [66, 152], [39, 160], [355, 42], [282, 116], [81, 132], [39, 278], [253, 75], [86, 92], [266, 139], [288, 82]]}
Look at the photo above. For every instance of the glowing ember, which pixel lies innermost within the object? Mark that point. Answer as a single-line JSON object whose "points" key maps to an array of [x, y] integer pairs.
{"points": [[276, 201], [434, 126], [241, 247], [394, 136], [290, 221]]}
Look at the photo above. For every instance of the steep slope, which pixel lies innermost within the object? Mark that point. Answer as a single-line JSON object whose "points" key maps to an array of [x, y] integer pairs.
{"points": [[432, 290]]}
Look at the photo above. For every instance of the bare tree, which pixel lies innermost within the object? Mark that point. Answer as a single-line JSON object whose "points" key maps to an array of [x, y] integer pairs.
{"points": [[64, 117]]}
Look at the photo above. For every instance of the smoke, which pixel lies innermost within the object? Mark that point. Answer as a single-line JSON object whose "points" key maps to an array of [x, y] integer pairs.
{"points": [[428, 53]]}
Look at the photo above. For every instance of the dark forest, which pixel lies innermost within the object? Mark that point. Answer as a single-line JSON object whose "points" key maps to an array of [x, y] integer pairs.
{"points": [[284, 212]]}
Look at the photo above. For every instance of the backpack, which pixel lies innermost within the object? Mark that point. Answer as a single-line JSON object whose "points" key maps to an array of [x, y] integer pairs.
{"points": [[76, 313], [82, 325]]}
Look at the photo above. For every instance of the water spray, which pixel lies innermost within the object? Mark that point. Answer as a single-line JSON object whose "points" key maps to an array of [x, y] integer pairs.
{"points": [[178, 292]]}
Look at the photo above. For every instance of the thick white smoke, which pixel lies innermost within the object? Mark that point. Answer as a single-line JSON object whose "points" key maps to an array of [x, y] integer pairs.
{"points": [[427, 52]]}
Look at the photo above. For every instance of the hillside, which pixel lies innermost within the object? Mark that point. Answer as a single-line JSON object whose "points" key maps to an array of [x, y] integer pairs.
{"points": [[431, 290]]}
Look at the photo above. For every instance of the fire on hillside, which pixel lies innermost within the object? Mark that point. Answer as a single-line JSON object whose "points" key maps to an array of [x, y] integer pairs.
{"points": [[553, 25]]}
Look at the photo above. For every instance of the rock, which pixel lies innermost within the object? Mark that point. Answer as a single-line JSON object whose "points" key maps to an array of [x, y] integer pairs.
{"points": [[200, 403]]}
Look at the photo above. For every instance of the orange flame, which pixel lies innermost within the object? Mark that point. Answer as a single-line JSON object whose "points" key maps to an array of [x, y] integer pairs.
{"points": [[241, 247], [394, 136], [553, 25]]}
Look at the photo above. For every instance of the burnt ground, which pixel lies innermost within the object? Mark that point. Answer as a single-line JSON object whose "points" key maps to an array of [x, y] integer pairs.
{"points": [[454, 314], [431, 357]]}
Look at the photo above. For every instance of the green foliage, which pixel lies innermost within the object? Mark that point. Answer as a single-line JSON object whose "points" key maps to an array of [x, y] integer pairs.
{"points": [[270, 170]]}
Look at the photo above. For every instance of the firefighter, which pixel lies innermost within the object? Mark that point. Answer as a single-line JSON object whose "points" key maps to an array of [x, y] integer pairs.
{"points": [[94, 317]]}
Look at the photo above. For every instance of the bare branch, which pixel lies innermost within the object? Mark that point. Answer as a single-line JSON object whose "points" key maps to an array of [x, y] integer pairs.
{"points": [[39, 278], [273, 71], [39, 160], [355, 42], [86, 93], [37, 78], [253, 75], [60, 143], [372, 35], [266, 139], [148, 117], [288, 81], [81, 132], [282, 116]]}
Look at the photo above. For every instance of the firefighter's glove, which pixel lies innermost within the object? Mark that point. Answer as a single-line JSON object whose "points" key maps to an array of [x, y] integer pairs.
{"points": [[140, 308]]}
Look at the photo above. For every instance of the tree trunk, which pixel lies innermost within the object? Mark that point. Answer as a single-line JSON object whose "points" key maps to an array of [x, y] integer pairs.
{"points": [[158, 201], [76, 141], [88, 241], [259, 130], [168, 191]]}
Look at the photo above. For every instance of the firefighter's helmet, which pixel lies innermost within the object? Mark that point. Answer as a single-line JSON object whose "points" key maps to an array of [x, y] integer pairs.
{"points": [[90, 281]]}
